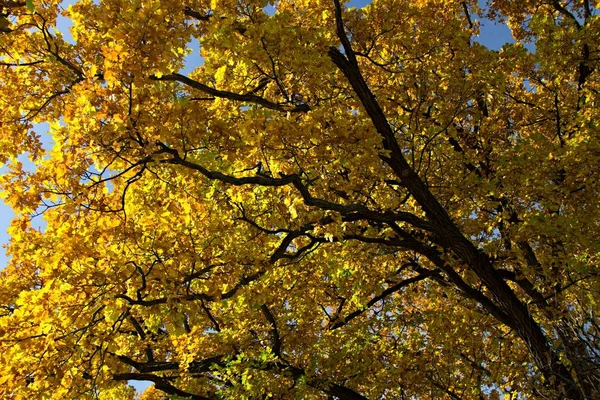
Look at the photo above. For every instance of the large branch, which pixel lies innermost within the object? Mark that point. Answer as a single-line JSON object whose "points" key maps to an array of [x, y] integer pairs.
{"points": [[350, 211], [163, 366], [160, 383], [446, 230], [468, 291], [275, 337], [584, 69], [146, 374], [390, 290], [195, 14], [246, 98], [566, 13], [278, 254], [195, 296], [333, 389]]}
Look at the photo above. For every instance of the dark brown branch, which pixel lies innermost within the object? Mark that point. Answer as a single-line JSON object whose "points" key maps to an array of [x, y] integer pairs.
{"points": [[24, 64], [280, 253], [476, 365], [445, 389], [54, 52], [344, 393], [210, 316], [467, 13], [530, 257], [146, 369], [584, 69], [164, 366], [198, 274], [246, 98], [559, 7], [526, 285], [341, 33], [450, 237], [351, 212], [195, 14], [140, 331], [274, 331], [392, 289], [160, 383], [435, 257], [587, 13], [215, 175], [332, 389], [197, 296]]}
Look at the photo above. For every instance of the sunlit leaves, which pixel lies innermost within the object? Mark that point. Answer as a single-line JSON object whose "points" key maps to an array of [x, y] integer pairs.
{"points": [[242, 233]]}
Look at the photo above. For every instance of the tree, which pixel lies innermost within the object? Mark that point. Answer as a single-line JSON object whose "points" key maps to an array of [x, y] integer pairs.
{"points": [[338, 203]]}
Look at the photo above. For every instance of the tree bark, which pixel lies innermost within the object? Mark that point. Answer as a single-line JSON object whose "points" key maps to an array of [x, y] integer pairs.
{"points": [[554, 371]]}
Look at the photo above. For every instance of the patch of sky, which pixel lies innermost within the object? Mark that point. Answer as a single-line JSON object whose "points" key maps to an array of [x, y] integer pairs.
{"points": [[140, 386], [6, 213], [358, 3], [63, 25], [527, 84], [193, 59], [493, 34], [269, 9]]}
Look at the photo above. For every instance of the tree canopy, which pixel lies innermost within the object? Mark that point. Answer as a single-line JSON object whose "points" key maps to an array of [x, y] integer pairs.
{"points": [[336, 203]]}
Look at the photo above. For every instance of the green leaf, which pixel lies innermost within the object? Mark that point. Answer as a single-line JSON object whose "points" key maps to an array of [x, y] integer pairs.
{"points": [[30, 6]]}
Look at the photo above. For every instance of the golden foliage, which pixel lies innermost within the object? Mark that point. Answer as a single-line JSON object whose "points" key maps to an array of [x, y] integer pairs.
{"points": [[335, 203]]}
